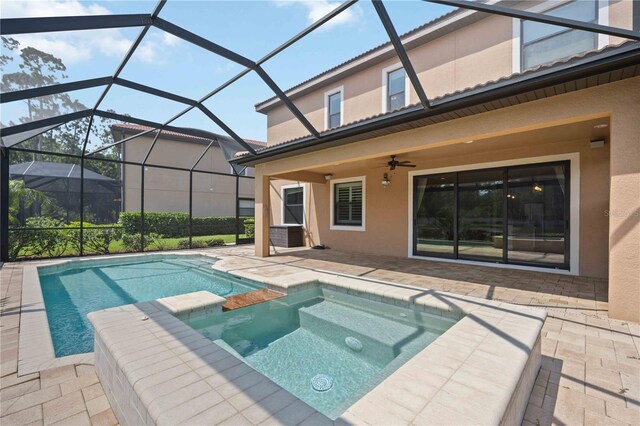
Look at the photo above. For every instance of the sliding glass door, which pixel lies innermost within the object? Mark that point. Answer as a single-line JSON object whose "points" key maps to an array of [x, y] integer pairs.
{"points": [[516, 214], [434, 201], [480, 214], [538, 214]]}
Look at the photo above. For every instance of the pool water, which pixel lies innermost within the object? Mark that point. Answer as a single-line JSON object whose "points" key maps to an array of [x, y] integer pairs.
{"points": [[325, 347], [71, 292]]}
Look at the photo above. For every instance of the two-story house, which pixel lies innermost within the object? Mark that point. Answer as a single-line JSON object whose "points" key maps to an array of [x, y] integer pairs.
{"points": [[167, 190], [527, 156]]}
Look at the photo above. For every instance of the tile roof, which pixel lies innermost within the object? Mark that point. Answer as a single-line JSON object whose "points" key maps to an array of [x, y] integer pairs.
{"points": [[372, 50], [458, 93], [183, 136]]}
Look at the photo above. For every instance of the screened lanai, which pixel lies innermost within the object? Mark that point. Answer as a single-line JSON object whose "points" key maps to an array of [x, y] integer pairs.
{"points": [[71, 121]]}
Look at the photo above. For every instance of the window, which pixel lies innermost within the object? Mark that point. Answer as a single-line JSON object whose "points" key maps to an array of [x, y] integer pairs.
{"points": [[242, 171], [247, 207], [516, 214], [348, 204], [293, 205], [543, 43], [333, 108], [396, 86]]}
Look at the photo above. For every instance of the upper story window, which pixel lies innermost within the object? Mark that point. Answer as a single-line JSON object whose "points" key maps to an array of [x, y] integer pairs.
{"points": [[396, 95], [242, 171], [543, 43], [247, 207], [333, 107]]}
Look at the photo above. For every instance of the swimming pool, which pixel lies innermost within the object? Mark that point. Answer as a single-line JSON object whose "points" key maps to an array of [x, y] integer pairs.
{"points": [[74, 289], [326, 347]]}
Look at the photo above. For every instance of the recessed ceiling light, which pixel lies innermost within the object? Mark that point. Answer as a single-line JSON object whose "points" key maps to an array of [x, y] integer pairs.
{"points": [[600, 126], [469, 142]]}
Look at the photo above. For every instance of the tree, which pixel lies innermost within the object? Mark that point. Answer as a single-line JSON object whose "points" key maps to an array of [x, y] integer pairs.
{"points": [[36, 68], [22, 198]]}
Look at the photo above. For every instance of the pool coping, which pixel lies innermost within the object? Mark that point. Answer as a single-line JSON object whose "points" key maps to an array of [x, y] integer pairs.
{"points": [[35, 345], [488, 360], [467, 362]]}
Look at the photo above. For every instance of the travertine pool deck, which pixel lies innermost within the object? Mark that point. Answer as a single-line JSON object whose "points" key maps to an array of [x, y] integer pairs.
{"points": [[590, 364]]}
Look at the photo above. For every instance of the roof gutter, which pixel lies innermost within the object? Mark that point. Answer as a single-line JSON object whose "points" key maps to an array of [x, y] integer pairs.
{"points": [[604, 62]]}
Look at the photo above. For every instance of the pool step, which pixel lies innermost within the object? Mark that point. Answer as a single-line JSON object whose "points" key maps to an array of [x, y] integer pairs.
{"points": [[250, 298], [381, 338]]}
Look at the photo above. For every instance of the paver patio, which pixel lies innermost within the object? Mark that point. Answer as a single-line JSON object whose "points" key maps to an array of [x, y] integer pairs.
{"points": [[590, 369]]}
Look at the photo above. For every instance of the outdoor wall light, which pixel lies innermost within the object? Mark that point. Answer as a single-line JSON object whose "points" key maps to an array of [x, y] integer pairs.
{"points": [[537, 187], [386, 181], [328, 177]]}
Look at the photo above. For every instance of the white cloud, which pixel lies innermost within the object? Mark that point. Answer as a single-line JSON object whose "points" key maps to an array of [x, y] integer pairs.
{"points": [[156, 47], [81, 46], [316, 9]]}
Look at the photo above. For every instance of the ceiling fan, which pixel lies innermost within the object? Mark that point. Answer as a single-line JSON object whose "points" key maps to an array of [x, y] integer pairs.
{"points": [[395, 163]]}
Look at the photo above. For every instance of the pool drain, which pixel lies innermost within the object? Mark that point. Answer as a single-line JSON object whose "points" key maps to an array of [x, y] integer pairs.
{"points": [[321, 382], [353, 344]]}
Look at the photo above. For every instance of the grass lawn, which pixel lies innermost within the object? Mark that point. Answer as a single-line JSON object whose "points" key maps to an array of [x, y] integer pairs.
{"points": [[165, 244], [172, 243]]}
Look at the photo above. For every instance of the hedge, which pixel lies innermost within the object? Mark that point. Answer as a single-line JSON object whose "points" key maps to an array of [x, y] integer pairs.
{"points": [[250, 227], [176, 225]]}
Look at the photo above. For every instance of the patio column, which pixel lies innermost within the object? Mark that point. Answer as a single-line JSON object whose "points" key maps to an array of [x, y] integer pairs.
{"points": [[624, 214], [262, 211]]}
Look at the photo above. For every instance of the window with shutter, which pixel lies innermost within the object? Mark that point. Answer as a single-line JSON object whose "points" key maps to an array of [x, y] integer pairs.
{"points": [[348, 203]]}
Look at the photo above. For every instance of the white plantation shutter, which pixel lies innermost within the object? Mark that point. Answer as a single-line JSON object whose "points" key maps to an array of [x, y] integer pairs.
{"points": [[348, 203]]}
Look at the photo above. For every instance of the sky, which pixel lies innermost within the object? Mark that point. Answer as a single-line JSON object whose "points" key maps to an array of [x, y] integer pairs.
{"points": [[251, 28]]}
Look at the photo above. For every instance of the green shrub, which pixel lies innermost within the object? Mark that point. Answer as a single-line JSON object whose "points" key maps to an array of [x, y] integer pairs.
{"points": [[49, 242], [213, 242], [19, 239], [198, 243], [210, 242], [176, 225], [132, 242], [157, 241], [97, 238], [250, 227]]}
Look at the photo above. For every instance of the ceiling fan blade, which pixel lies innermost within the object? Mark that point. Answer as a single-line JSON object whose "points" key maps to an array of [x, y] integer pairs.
{"points": [[404, 162], [406, 165]]}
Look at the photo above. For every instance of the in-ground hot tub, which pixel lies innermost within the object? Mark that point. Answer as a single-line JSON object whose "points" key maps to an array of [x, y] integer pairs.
{"points": [[326, 347], [480, 370]]}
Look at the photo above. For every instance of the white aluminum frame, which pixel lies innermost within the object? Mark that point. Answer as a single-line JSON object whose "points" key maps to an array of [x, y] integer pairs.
{"points": [[385, 89], [327, 94], [516, 45]]}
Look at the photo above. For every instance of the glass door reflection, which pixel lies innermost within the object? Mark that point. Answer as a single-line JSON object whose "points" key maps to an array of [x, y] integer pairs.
{"points": [[434, 205], [538, 214], [480, 214]]}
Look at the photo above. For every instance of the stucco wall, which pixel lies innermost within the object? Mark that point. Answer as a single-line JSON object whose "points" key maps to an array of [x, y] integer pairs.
{"points": [[620, 245], [472, 55], [168, 190], [387, 209]]}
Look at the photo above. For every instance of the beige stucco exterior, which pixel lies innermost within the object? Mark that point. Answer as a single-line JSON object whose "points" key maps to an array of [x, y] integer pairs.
{"points": [[475, 54], [168, 190], [609, 202], [481, 51]]}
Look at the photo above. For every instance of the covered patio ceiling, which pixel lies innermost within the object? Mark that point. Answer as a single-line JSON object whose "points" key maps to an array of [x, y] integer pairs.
{"points": [[587, 130]]}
